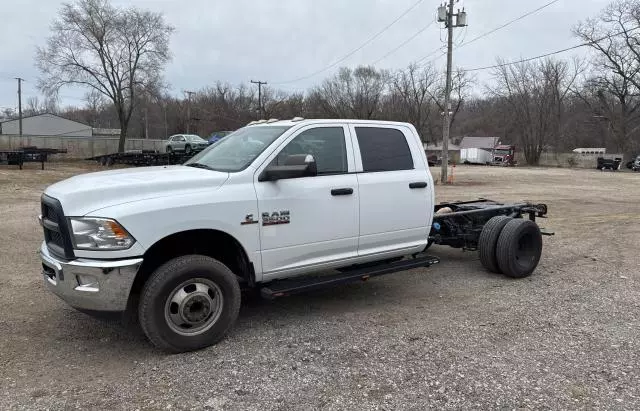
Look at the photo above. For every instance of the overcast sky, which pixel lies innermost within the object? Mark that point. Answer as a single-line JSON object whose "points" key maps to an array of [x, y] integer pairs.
{"points": [[281, 40]]}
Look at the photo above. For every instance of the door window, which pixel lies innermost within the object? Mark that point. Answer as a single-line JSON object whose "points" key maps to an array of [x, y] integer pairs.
{"points": [[383, 149], [325, 144]]}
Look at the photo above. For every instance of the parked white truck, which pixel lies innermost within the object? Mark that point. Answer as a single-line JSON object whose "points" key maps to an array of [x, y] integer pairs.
{"points": [[324, 201]]}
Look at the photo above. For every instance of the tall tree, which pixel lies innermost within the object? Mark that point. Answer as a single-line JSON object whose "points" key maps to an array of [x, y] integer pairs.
{"points": [[613, 90], [353, 93], [115, 51], [412, 91], [533, 96]]}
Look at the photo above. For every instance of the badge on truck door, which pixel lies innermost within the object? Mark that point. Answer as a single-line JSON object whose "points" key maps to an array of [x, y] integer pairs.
{"points": [[276, 217]]}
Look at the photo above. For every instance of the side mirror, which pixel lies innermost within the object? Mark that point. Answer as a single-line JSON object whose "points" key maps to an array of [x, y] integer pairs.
{"points": [[295, 166]]}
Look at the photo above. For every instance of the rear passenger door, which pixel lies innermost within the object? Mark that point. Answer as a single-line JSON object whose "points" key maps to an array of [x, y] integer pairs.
{"points": [[396, 201]]}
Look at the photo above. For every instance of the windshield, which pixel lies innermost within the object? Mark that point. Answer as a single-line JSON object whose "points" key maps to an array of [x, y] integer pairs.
{"points": [[194, 139], [502, 152], [237, 150]]}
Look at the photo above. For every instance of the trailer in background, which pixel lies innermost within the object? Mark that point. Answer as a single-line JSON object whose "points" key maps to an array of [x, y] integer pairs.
{"points": [[29, 154], [142, 158], [476, 156]]}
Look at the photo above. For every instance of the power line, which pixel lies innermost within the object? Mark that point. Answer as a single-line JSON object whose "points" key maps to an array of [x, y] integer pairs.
{"points": [[403, 43], [352, 52], [508, 23], [588, 43], [485, 34]]}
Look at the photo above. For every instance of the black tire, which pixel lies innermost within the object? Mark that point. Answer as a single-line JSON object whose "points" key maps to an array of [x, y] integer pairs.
{"points": [[187, 149], [488, 241], [167, 281], [519, 248]]}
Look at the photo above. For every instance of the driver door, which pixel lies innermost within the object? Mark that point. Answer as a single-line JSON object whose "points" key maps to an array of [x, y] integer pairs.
{"points": [[308, 223]]}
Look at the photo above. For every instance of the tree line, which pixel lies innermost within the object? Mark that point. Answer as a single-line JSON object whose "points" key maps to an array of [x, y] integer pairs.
{"points": [[545, 104]]}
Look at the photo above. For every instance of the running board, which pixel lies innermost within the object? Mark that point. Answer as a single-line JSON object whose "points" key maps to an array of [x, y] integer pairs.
{"points": [[281, 288]]}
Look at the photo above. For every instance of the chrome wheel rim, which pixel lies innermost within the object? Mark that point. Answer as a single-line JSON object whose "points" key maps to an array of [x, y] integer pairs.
{"points": [[194, 306]]}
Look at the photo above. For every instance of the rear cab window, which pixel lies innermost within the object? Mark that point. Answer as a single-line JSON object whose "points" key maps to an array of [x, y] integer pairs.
{"points": [[383, 149]]}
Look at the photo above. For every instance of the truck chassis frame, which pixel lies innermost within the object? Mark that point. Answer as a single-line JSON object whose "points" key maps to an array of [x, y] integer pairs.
{"points": [[459, 224], [456, 224]]}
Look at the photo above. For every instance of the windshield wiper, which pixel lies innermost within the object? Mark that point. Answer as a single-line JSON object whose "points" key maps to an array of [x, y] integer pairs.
{"points": [[199, 165]]}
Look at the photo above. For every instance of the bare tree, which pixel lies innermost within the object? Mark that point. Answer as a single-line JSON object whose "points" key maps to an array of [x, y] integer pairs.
{"points": [[95, 101], [613, 89], [112, 50], [34, 107], [461, 83], [412, 93], [533, 96], [353, 93]]}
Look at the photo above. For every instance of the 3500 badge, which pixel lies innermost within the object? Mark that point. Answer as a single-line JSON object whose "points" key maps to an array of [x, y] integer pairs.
{"points": [[276, 217]]}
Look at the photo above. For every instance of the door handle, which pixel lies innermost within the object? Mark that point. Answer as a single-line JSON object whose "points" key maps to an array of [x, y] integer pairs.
{"points": [[419, 184], [341, 191]]}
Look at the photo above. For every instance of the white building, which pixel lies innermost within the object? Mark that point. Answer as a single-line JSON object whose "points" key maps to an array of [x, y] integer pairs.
{"points": [[46, 125]]}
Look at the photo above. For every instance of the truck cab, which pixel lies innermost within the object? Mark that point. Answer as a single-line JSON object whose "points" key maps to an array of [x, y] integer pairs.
{"points": [[272, 200], [504, 155]]}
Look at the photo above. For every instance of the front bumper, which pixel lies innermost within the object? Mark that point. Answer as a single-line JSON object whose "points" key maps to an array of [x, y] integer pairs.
{"points": [[96, 285]]}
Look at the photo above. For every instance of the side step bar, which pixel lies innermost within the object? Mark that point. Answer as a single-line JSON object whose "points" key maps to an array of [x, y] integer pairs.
{"points": [[281, 288]]}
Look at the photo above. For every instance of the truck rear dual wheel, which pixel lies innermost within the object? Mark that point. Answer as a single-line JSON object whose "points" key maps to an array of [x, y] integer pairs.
{"points": [[189, 303], [510, 246], [519, 248], [489, 240]]}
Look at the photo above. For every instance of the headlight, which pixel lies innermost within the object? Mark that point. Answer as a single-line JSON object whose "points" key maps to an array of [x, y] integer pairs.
{"points": [[91, 233]]}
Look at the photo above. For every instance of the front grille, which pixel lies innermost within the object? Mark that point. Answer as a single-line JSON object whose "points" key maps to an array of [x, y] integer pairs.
{"points": [[56, 229]]}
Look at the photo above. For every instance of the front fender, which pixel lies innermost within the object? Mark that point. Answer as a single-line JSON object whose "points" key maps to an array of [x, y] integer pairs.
{"points": [[224, 210]]}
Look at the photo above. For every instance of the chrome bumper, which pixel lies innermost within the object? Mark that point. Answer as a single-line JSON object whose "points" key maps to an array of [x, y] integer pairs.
{"points": [[100, 285]]}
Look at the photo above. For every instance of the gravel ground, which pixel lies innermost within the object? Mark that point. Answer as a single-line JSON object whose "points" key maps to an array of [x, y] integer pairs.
{"points": [[449, 336]]}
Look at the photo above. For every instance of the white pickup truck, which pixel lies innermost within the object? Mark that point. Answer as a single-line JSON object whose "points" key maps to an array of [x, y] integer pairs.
{"points": [[324, 201]]}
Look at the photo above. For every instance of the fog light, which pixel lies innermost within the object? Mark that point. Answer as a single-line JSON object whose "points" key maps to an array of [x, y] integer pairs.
{"points": [[87, 283]]}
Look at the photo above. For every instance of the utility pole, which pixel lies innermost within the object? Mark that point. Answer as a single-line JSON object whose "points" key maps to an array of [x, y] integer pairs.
{"points": [[446, 14], [166, 128], [146, 122], [189, 94], [20, 80], [259, 83]]}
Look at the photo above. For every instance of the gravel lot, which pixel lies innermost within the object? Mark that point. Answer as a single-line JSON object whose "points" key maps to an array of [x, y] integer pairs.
{"points": [[449, 336]]}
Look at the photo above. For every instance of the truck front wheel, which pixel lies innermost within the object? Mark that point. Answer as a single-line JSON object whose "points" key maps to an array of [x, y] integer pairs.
{"points": [[189, 303], [519, 248]]}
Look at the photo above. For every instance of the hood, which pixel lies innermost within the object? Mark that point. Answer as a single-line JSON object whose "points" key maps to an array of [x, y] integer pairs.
{"points": [[85, 193]]}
